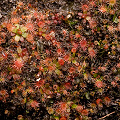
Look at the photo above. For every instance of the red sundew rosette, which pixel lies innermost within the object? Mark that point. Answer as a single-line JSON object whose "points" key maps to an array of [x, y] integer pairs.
{"points": [[39, 84], [18, 64], [79, 108], [83, 44], [92, 52], [9, 27], [85, 8], [3, 95], [62, 109], [15, 20], [73, 50], [34, 104], [60, 61], [102, 9], [84, 112], [63, 118], [99, 84], [72, 70], [30, 26], [30, 38], [99, 103], [107, 101]]}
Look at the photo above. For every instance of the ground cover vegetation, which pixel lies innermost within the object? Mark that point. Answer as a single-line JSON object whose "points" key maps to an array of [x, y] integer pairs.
{"points": [[59, 60]]}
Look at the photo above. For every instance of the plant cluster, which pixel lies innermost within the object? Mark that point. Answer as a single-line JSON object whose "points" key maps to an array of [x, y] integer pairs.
{"points": [[61, 65]]}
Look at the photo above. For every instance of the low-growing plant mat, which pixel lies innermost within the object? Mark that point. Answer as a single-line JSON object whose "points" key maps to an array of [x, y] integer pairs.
{"points": [[60, 60]]}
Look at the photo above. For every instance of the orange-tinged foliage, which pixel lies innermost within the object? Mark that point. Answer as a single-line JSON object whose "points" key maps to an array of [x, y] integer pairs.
{"points": [[84, 112], [2, 41], [63, 118], [77, 35], [107, 100], [4, 24], [98, 101], [103, 9], [15, 20], [63, 106], [63, 66], [41, 24], [29, 38], [85, 7], [18, 63], [41, 68], [83, 43], [30, 26], [92, 52], [3, 92], [66, 58], [20, 3], [51, 68], [61, 61], [40, 83], [99, 84], [73, 50], [47, 37], [9, 27], [34, 104], [59, 51], [67, 86], [72, 70], [79, 108]]}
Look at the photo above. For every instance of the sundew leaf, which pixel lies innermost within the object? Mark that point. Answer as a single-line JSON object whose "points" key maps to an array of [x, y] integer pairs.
{"points": [[23, 29], [114, 17], [87, 95], [74, 61], [56, 117], [43, 30], [17, 38], [116, 20], [74, 106], [25, 100], [17, 26], [14, 30], [57, 72], [41, 91], [43, 35], [40, 29], [24, 35], [73, 54], [95, 75], [57, 65]]}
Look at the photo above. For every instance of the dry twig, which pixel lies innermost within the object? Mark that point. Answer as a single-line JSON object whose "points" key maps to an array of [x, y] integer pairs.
{"points": [[106, 115]]}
